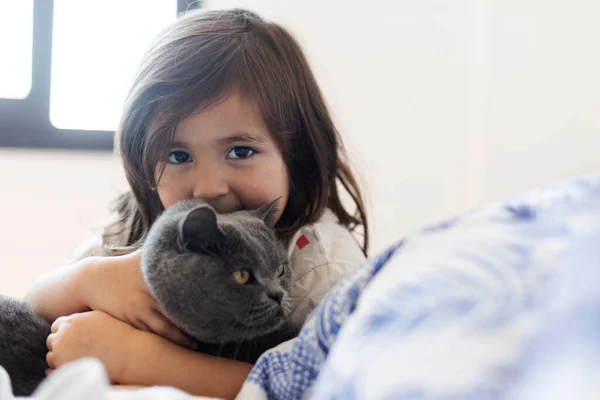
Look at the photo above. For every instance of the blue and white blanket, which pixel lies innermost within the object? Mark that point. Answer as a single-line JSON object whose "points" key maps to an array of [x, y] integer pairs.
{"points": [[500, 303]]}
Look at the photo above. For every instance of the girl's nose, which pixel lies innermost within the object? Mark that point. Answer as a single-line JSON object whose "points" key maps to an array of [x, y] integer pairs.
{"points": [[210, 184]]}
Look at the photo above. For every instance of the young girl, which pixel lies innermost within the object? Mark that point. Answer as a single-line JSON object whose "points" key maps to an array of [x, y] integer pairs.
{"points": [[225, 109]]}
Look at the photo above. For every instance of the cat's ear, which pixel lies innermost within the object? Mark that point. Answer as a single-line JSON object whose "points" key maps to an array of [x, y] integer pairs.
{"points": [[267, 212], [200, 230]]}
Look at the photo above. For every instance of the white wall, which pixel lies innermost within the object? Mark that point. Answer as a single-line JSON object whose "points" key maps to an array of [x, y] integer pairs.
{"points": [[443, 104], [543, 102], [50, 202], [451, 103]]}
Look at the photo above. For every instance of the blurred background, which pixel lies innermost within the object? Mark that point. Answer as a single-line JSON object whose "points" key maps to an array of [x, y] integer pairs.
{"points": [[443, 105]]}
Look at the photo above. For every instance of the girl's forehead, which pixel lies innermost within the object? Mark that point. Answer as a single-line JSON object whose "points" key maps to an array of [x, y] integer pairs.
{"points": [[231, 115]]}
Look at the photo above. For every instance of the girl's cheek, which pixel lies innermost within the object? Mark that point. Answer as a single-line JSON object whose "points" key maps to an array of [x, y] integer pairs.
{"points": [[170, 192], [268, 190]]}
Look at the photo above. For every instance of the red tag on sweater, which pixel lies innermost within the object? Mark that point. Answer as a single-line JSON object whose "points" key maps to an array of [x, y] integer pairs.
{"points": [[302, 242]]}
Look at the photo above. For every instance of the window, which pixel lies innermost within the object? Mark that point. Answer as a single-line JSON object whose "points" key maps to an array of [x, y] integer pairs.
{"points": [[16, 22], [71, 64]]}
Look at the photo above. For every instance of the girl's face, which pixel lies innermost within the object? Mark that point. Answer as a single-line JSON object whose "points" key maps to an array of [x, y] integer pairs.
{"points": [[225, 156]]}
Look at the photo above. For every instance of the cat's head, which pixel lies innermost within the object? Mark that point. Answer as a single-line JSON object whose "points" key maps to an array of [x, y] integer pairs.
{"points": [[220, 278]]}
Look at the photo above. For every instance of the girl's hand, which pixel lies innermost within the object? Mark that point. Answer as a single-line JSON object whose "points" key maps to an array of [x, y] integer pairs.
{"points": [[91, 334], [115, 286]]}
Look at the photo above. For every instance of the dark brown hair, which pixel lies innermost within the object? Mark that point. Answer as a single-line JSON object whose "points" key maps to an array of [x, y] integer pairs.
{"points": [[201, 58]]}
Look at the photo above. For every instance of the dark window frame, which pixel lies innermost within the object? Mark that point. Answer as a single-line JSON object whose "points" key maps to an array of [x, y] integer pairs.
{"points": [[25, 123]]}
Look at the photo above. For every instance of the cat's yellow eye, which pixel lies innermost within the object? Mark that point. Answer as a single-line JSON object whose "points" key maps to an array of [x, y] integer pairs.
{"points": [[280, 270], [241, 276]]}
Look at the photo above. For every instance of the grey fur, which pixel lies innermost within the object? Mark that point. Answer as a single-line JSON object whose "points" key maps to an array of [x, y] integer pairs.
{"points": [[22, 345], [188, 259]]}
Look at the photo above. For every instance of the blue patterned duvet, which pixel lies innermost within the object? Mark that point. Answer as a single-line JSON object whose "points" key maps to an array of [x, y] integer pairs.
{"points": [[500, 303]]}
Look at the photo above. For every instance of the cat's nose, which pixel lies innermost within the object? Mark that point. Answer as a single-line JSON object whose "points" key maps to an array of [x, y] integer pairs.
{"points": [[277, 296]]}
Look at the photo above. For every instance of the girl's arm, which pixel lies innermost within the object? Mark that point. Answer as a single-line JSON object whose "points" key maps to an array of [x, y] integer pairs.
{"points": [[138, 358], [156, 361], [57, 293], [113, 285]]}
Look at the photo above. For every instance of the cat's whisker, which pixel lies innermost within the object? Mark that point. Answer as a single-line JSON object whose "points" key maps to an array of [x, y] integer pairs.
{"points": [[237, 349], [294, 309]]}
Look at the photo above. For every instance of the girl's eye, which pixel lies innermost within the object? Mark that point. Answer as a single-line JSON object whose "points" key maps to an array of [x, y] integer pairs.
{"points": [[240, 152], [280, 271], [179, 157], [241, 276]]}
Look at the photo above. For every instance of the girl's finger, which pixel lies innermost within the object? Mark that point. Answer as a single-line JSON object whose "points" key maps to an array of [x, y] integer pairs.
{"points": [[165, 328], [49, 341], [57, 324], [50, 360], [152, 301], [141, 325]]}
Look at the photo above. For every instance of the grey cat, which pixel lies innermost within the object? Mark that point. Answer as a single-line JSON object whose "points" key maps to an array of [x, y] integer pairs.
{"points": [[223, 279]]}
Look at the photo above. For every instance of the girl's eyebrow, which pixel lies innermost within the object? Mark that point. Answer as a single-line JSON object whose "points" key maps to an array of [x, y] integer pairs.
{"points": [[243, 137], [176, 143], [238, 137]]}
